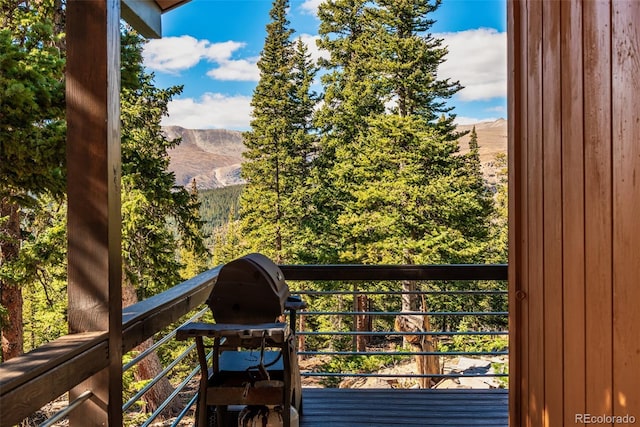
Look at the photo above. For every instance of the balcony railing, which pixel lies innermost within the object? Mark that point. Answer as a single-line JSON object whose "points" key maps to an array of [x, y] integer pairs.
{"points": [[29, 382], [479, 289]]}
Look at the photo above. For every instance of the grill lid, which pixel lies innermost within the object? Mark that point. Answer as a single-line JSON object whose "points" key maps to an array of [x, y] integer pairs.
{"points": [[250, 289]]}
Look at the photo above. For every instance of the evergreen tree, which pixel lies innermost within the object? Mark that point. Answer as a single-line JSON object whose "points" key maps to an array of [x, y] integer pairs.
{"points": [[32, 136], [500, 221], [351, 95], [409, 57], [405, 195], [159, 219], [300, 236], [403, 188], [150, 197], [477, 223], [278, 144], [41, 270]]}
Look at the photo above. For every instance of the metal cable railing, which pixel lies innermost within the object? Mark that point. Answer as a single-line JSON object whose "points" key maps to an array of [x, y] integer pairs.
{"points": [[486, 321], [63, 413], [474, 329], [164, 373]]}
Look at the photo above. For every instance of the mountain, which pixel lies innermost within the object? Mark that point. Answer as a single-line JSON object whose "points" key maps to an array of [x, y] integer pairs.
{"points": [[210, 156], [214, 156], [492, 140]]}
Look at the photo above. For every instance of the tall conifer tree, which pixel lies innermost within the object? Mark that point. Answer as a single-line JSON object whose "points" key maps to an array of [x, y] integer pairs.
{"points": [[351, 95], [278, 145], [32, 136], [405, 194]]}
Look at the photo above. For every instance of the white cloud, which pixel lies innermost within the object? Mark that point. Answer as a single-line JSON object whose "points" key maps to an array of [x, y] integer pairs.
{"points": [[174, 54], [460, 120], [478, 59], [210, 111], [218, 52], [236, 70], [310, 7]]}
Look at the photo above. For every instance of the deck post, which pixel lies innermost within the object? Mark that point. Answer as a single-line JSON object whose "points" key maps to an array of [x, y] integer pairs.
{"points": [[93, 186]]}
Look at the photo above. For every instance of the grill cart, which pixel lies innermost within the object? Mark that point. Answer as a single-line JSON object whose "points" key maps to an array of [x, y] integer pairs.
{"points": [[253, 358]]}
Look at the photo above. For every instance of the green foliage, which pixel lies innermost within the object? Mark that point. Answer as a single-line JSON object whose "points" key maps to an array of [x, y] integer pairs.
{"points": [[32, 140], [160, 222], [479, 343], [274, 202], [500, 220], [42, 265], [158, 218], [501, 368], [218, 206], [32, 129], [392, 185]]}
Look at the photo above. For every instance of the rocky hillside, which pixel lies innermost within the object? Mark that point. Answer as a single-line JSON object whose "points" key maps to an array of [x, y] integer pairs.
{"points": [[210, 156], [214, 156], [492, 139]]}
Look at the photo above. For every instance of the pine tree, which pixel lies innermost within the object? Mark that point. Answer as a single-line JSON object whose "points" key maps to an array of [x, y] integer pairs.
{"points": [[477, 222], [500, 220], [351, 95], [159, 220], [405, 194], [278, 145], [300, 236], [409, 60], [32, 133]]}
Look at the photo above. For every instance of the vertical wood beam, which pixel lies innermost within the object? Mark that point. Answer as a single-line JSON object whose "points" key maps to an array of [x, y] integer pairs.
{"points": [[534, 229], [552, 83], [625, 294], [93, 162], [573, 222], [518, 350], [598, 202]]}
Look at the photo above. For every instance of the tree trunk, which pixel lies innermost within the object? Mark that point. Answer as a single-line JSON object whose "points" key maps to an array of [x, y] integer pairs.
{"points": [[150, 366], [10, 293], [363, 322], [425, 364], [301, 326]]}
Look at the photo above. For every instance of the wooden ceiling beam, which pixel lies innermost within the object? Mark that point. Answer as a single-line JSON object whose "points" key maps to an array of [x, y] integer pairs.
{"points": [[144, 16]]}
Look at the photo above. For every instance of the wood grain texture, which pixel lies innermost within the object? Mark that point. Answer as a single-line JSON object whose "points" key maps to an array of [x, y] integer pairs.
{"points": [[518, 213], [552, 82], [535, 209], [93, 189], [626, 206], [598, 215], [142, 320], [573, 210], [31, 381]]}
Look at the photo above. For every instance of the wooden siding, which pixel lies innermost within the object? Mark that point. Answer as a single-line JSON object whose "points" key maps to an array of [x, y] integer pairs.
{"points": [[574, 132]]}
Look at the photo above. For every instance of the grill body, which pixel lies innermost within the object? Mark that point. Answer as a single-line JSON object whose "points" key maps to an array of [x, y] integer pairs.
{"points": [[249, 290]]}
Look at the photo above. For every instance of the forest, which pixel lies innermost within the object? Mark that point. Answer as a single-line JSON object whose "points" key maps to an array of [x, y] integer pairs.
{"points": [[366, 172]]}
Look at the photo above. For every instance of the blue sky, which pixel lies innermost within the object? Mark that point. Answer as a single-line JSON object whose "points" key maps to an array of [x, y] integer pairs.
{"points": [[211, 47]]}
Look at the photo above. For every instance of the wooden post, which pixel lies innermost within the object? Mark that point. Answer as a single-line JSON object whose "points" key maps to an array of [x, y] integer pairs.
{"points": [[93, 161]]}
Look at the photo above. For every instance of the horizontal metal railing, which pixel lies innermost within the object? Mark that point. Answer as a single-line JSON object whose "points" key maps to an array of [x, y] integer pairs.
{"points": [[30, 381], [343, 275], [41, 369]]}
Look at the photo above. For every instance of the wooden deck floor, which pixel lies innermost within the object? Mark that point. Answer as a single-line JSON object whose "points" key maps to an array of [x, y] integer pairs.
{"points": [[379, 408]]}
